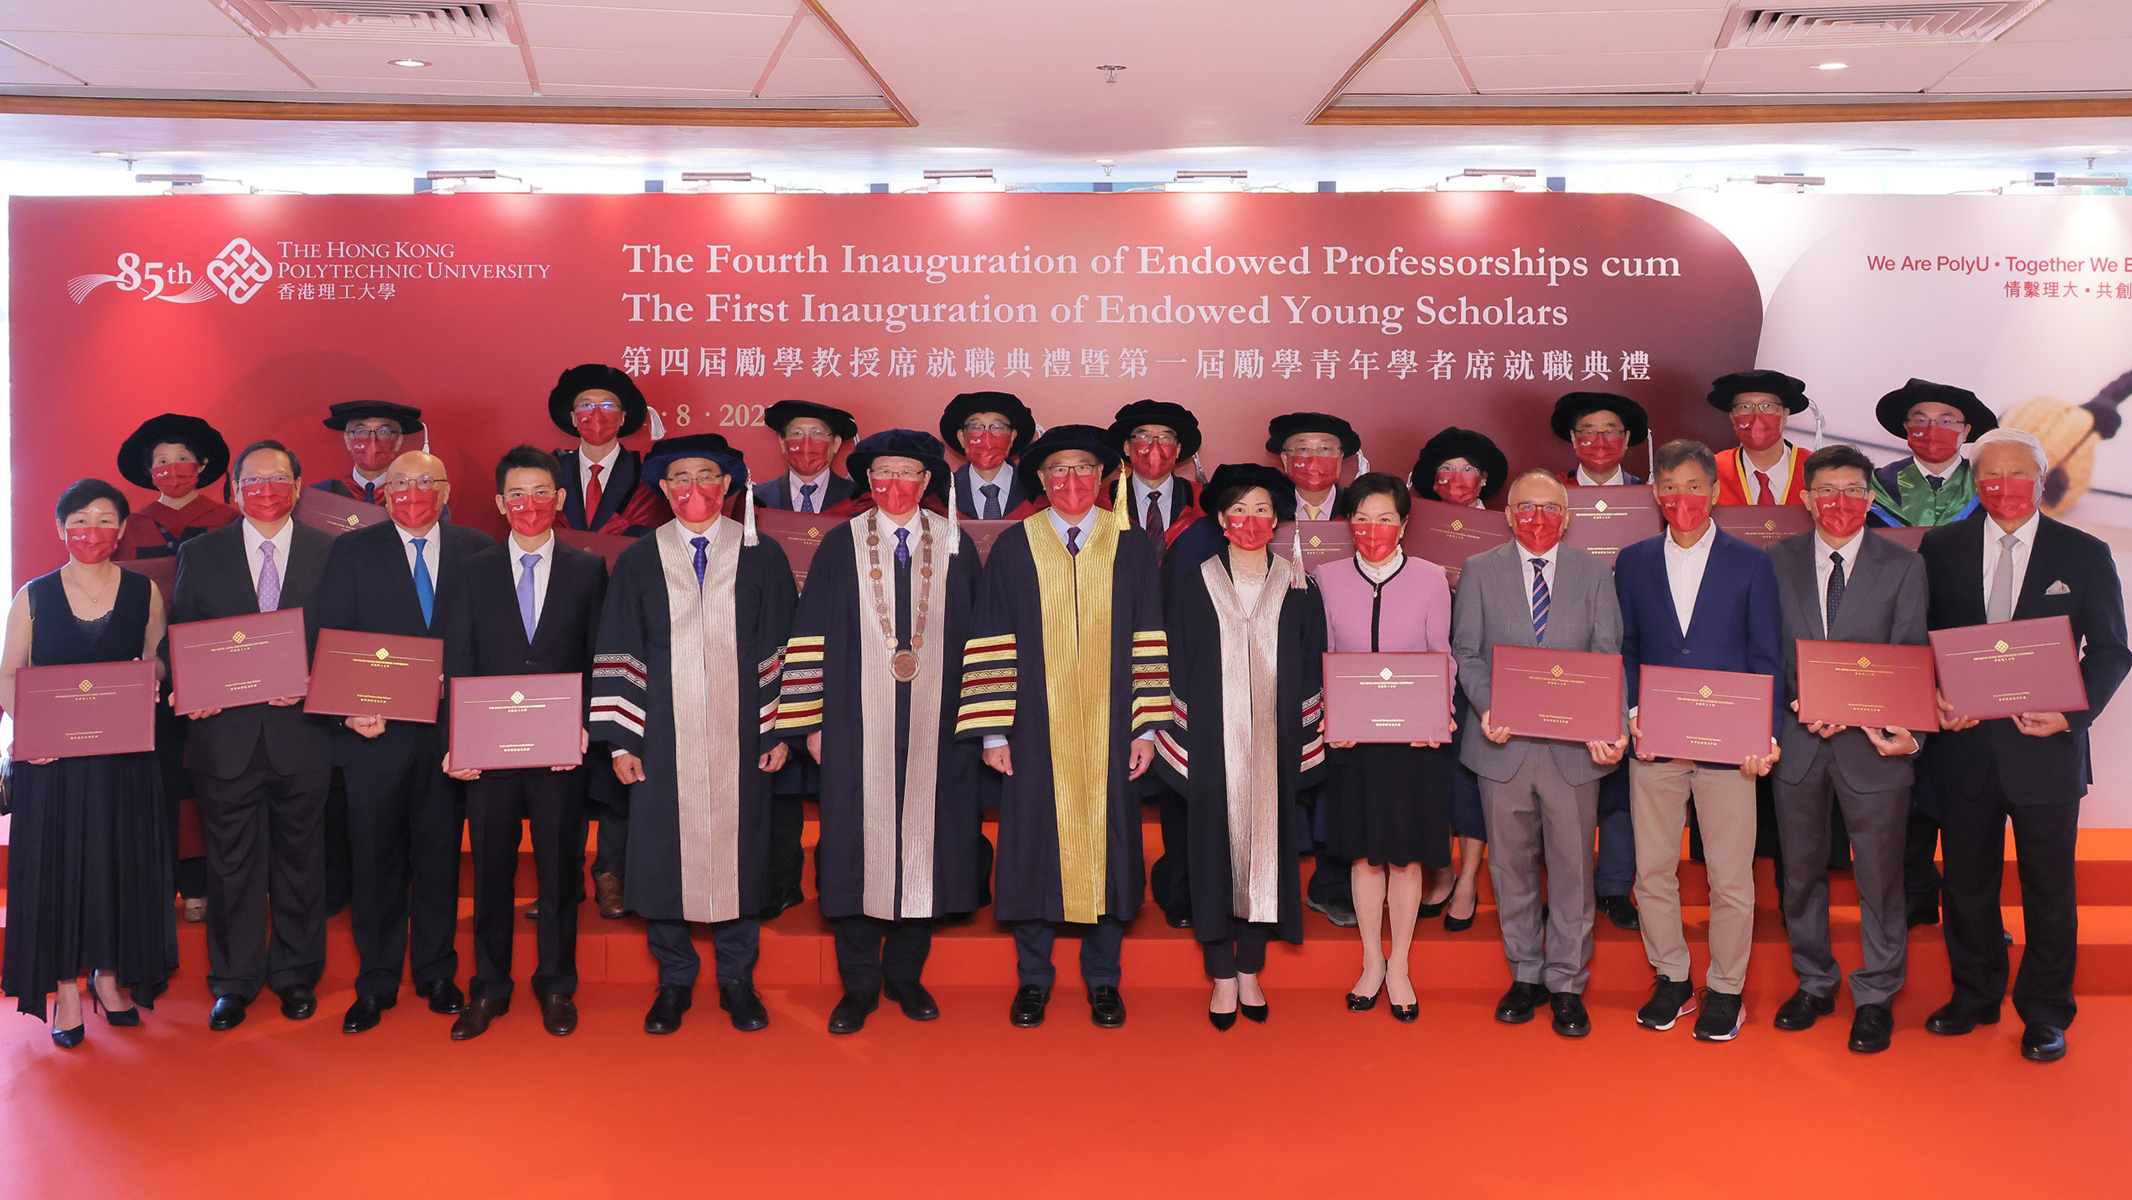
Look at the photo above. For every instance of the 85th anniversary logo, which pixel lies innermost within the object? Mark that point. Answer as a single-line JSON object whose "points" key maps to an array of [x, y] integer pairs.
{"points": [[239, 271]]}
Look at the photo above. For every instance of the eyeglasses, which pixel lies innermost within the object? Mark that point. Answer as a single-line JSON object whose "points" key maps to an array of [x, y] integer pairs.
{"points": [[1528, 508], [256, 480], [539, 493], [973, 428], [600, 406], [1848, 493], [1601, 431], [1756, 408], [1153, 439], [1453, 472], [699, 479], [427, 483], [359, 436], [885, 475], [1320, 451], [792, 438], [1923, 423], [1077, 470]]}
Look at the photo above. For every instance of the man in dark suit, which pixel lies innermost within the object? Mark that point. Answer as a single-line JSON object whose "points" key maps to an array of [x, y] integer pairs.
{"points": [[2012, 563], [555, 592], [373, 431], [809, 437], [404, 815], [601, 405], [260, 770], [1838, 583], [1695, 596], [990, 429]]}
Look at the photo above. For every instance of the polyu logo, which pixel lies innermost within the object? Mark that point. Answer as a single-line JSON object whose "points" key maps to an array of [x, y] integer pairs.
{"points": [[238, 272]]}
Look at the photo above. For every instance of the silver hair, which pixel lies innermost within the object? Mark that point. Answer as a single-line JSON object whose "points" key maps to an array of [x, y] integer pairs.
{"points": [[2016, 437]]}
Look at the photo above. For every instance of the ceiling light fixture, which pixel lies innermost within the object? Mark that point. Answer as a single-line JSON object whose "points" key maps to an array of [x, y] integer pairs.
{"points": [[1110, 72], [724, 182], [109, 153], [1208, 181], [1801, 182], [444, 183], [1831, 66], [409, 62], [2091, 181]]}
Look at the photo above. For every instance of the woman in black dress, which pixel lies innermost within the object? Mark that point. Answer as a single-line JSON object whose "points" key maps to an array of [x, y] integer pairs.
{"points": [[89, 885]]}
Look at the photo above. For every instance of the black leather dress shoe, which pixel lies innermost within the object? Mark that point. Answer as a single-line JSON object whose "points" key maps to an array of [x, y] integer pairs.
{"points": [[1949, 1021], [913, 999], [365, 1014], [790, 898], [1027, 1012], [227, 1014], [1177, 920], [666, 1009], [558, 1015], [1923, 914], [1106, 1007], [849, 1016], [1802, 1010], [1570, 1018], [444, 997], [2043, 1043], [1621, 911], [474, 1022], [298, 1003], [743, 1005], [1872, 1028], [1517, 1005]]}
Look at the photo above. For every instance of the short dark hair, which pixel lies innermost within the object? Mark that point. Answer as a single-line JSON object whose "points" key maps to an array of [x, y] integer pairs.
{"points": [[1376, 483], [528, 458], [1679, 453], [236, 464], [1836, 457], [81, 493]]}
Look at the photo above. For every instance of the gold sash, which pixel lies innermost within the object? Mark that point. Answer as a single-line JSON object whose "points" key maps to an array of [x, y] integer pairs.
{"points": [[1075, 591]]}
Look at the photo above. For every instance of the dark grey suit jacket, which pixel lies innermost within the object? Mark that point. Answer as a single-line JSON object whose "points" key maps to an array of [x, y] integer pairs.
{"points": [[1884, 599]]}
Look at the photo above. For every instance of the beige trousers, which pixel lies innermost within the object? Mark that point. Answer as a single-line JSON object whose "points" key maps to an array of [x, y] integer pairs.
{"points": [[1659, 793]]}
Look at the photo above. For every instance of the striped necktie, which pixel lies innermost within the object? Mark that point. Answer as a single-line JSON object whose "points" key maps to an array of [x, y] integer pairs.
{"points": [[1539, 601]]}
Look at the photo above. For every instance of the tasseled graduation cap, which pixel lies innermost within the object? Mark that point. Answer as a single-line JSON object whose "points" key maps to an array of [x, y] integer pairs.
{"points": [[1362, 463], [747, 516], [954, 532], [1199, 473], [1650, 454], [1295, 561], [658, 427], [1820, 422]]}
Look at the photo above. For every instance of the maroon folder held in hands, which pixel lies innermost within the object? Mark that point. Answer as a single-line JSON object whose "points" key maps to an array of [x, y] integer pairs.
{"points": [[984, 533], [376, 675], [1323, 542], [1449, 534], [1858, 683], [1566, 695], [1989, 671], [336, 514], [233, 661], [1397, 698], [76, 710], [504, 721], [1762, 525], [1708, 716], [607, 545], [799, 533], [1604, 519]]}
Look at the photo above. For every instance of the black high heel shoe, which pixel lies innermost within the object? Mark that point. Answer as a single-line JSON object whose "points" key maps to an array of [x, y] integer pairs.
{"points": [[1357, 1003], [67, 1039], [1222, 1021], [124, 1018], [1255, 1013], [1461, 924], [1429, 911], [1403, 1013]]}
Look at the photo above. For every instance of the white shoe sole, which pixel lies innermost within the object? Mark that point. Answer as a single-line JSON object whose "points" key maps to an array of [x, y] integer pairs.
{"points": [[1685, 1009]]}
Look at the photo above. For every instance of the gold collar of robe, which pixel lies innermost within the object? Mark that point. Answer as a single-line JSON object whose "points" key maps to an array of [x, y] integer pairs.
{"points": [[704, 669], [1075, 593], [883, 831], [1251, 750]]}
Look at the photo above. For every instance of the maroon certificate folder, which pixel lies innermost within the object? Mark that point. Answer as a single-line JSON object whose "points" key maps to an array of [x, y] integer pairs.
{"points": [[1762, 525], [1604, 519], [1388, 697], [2013, 667], [1909, 537], [1858, 683], [321, 509], [799, 533], [235, 661], [983, 534], [1709, 716], [1449, 534], [1323, 542], [376, 675], [162, 572], [1569, 695], [501, 721], [607, 545], [85, 708]]}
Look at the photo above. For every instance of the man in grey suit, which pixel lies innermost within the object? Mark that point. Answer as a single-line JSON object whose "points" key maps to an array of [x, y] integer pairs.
{"points": [[1837, 583], [1542, 797]]}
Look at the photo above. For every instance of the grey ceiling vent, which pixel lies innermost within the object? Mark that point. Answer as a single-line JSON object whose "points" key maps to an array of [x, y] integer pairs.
{"points": [[1886, 23], [372, 20]]}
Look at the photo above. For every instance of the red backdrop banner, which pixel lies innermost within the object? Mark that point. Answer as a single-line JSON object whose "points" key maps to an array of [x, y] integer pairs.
{"points": [[1401, 312]]}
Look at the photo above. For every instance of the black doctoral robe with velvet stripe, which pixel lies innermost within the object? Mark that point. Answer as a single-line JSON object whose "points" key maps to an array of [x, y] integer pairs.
{"points": [[825, 692], [632, 709], [1006, 675], [1192, 752]]}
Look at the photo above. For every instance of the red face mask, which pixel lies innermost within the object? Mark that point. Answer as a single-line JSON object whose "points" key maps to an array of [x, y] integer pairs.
{"points": [[1376, 542], [267, 503], [530, 516], [696, 505], [2009, 498], [1600, 453], [176, 479], [92, 543], [897, 496], [986, 450], [1072, 493], [1933, 444], [1314, 472], [1458, 487], [1841, 516], [376, 454], [596, 425], [807, 456], [1684, 511], [1539, 530], [1153, 460], [1759, 431], [414, 508], [1248, 533]]}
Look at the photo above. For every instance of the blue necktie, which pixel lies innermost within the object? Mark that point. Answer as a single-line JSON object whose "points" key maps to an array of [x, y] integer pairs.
{"points": [[807, 497], [1539, 601], [525, 592], [903, 548], [425, 589], [991, 509], [702, 559]]}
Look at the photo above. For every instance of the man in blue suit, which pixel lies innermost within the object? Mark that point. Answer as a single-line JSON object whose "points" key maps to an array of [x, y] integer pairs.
{"points": [[1695, 596]]}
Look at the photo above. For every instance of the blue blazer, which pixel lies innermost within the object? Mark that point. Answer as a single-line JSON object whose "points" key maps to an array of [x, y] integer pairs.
{"points": [[1737, 624]]}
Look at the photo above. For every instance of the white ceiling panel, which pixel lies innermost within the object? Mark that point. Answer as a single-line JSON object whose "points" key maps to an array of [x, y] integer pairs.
{"points": [[1532, 34], [187, 17], [586, 28], [624, 91], [2035, 59], [1496, 7], [1421, 37], [1872, 69], [609, 67], [621, 8], [812, 40], [795, 77], [1591, 72], [2113, 80], [399, 85], [1410, 76], [278, 80], [495, 62], [2061, 20], [17, 71]]}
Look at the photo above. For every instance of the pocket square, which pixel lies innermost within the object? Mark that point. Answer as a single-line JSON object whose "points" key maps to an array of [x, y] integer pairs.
{"points": [[2057, 588]]}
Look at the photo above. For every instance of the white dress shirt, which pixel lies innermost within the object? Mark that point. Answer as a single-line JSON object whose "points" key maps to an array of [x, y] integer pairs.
{"points": [[1086, 525], [541, 568], [432, 550], [793, 484], [1584, 479], [356, 477], [1304, 511], [1943, 476], [1684, 572], [585, 463], [1824, 570], [1546, 570], [254, 559], [2026, 542], [1165, 494]]}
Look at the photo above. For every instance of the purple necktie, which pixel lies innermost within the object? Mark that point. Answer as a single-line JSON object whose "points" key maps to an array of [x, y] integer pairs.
{"points": [[1073, 539], [702, 559], [903, 548], [269, 586], [525, 592]]}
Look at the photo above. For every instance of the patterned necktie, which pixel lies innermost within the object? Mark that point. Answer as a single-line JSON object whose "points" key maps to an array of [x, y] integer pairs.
{"points": [[269, 586], [1835, 590], [702, 558], [1073, 540], [991, 491], [1539, 601], [807, 496], [1762, 478], [1153, 523], [903, 548], [525, 592], [2000, 605], [425, 587], [593, 491], [370, 493]]}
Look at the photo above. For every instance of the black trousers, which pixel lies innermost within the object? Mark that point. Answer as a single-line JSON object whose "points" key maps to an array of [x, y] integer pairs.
{"points": [[403, 841], [1100, 947], [1243, 952], [340, 864], [788, 858], [1921, 844], [870, 949], [612, 853], [550, 805], [1973, 845], [266, 853], [734, 944], [1170, 878]]}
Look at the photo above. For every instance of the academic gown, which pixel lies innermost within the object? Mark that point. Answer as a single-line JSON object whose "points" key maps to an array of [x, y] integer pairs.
{"points": [[1212, 677], [906, 845], [156, 530], [698, 850], [1069, 816]]}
